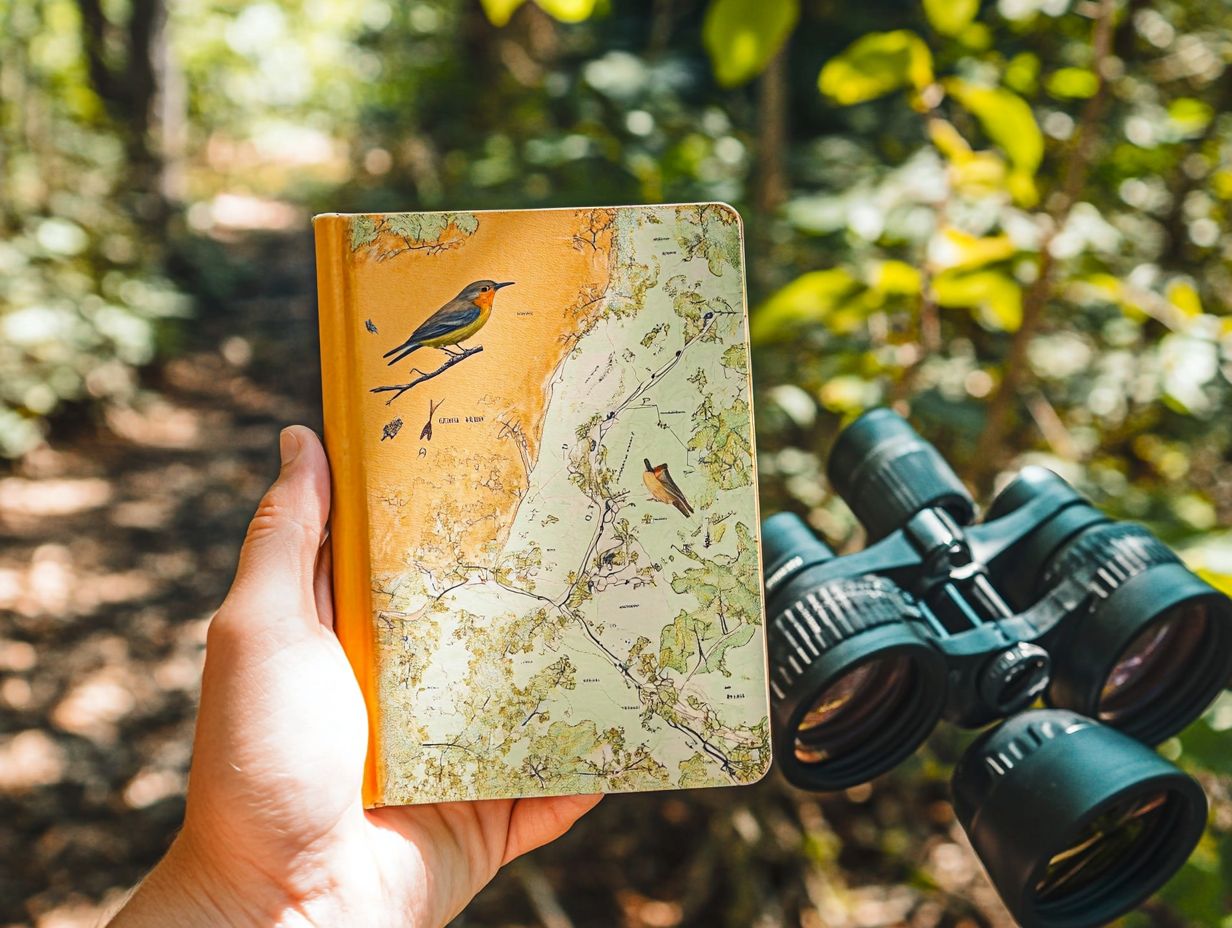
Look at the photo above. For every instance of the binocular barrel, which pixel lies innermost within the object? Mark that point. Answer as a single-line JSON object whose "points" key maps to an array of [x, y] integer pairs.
{"points": [[1075, 822], [887, 473], [1076, 819]]}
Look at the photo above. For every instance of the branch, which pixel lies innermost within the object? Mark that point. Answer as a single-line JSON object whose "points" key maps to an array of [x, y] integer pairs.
{"points": [[399, 388], [988, 453]]}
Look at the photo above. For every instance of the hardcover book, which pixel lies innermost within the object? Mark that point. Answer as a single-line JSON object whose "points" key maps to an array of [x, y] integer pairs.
{"points": [[547, 574]]}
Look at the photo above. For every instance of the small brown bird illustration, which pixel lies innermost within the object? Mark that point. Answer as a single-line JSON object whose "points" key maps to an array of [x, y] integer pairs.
{"points": [[454, 322], [663, 488]]}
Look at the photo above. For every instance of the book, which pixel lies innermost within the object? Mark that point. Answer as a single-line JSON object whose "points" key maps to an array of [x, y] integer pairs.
{"points": [[547, 573]]}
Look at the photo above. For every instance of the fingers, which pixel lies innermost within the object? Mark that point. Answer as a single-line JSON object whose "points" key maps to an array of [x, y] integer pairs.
{"points": [[537, 821], [278, 562]]}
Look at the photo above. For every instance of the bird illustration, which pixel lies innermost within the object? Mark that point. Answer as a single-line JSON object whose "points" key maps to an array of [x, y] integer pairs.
{"points": [[662, 487], [454, 322]]}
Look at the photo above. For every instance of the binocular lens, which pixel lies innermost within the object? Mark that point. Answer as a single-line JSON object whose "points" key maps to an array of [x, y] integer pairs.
{"points": [[1105, 845], [1157, 662], [852, 707], [1155, 644], [1075, 822], [855, 687]]}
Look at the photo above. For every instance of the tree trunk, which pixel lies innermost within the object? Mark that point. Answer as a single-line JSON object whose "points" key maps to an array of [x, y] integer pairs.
{"points": [[127, 88]]}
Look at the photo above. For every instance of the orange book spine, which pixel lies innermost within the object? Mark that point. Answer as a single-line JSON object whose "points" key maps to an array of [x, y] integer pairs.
{"points": [[352, 586]]}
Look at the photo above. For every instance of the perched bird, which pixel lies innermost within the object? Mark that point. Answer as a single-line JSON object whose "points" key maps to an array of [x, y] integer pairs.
{"points": [[454, 322], [663, 488]]}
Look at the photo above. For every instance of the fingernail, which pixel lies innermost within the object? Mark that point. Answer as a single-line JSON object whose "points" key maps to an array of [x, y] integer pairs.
{"points": [[288, 446]]}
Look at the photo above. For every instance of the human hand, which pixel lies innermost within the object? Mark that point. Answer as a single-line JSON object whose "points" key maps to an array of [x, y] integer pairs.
{"points": [[274, 830]]}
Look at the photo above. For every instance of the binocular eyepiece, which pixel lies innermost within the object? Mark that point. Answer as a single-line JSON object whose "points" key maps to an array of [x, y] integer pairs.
{"points": [[1075, 818]]}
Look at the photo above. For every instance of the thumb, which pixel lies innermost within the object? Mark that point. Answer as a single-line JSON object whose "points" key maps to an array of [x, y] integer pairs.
{"points": [[278, 559]]}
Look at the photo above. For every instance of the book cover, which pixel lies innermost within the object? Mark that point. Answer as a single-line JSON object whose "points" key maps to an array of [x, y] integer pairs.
{"points": [[547, 573]]}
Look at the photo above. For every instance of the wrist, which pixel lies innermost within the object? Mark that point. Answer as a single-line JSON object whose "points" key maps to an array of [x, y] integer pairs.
{"points": [[186, 888]]}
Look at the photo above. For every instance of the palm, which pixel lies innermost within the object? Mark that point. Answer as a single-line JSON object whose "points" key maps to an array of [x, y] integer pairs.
{"points": [[278, 763]]}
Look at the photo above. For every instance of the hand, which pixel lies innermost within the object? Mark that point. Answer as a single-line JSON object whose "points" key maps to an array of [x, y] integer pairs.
{"points": [[274, 830]]}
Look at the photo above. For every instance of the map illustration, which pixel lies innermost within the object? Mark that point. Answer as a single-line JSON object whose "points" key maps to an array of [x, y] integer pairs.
{"points": [[559, 471]]}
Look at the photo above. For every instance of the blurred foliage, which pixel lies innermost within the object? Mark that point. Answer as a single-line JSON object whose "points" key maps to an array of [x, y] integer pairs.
{"points": [[1007, 218], [79, 293]]}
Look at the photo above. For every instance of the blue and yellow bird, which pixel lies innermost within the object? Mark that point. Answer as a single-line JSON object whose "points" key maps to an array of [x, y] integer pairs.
{"points": [[454, 322]]}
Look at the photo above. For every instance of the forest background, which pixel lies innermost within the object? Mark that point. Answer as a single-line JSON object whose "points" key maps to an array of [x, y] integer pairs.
{"points": [[1007, 218]]}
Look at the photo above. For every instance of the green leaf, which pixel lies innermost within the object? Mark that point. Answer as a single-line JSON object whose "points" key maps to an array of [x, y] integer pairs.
{"points": [[809, 298], [949, 141], [734, 358], [950, 17], [994, 297], [363, 231], [499, 11], [1190, 116], [741, 36], [877, 64], [695, 772], [693, 642], [897, 277], [466, 223], [1006, 119], [567, 11], [956, 249], [1022, 73], [1073, 83], [1184, 296]]}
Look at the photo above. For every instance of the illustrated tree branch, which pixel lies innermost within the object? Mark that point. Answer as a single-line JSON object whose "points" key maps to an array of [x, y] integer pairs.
{"points": [[399, 388], [988, 455]]}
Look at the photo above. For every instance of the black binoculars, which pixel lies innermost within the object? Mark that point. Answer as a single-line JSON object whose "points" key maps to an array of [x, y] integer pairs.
{"points": [[1046, 599]]}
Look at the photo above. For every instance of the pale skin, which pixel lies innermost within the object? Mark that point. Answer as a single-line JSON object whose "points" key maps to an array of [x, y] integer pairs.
{"points": [[275, 832]]}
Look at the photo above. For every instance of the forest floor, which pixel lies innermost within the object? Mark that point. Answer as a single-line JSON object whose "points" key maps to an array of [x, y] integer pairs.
{"points": [[115, 548]]}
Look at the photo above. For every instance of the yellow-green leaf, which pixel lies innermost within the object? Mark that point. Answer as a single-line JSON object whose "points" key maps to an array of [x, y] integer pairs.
{"points": [[877, 64], [954, 249], [1221, 184], [1022, 72], [1221, 582], [950, 17], [568, 11], [1021, 185], [949, 141], [1006, 119], [983, 173], [1073, 83], [848, 394], [897, 277], [812, 297], [1184, 296], [499, 11], [741, 36], [1188, 115], [994, 297]]}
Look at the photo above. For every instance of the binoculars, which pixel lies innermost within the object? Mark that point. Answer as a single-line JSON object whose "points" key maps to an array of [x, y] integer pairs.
{"points": [[1046, 600]]}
